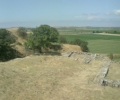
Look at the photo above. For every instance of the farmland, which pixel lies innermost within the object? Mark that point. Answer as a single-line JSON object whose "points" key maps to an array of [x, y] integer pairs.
{"points": [[97, 42], [77, 30], [55, 77]]}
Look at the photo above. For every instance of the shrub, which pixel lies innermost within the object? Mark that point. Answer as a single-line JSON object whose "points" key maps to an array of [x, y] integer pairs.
{"points": [[62, 39], [82, 44], [22, 32], [111, 56], [6, 40]]}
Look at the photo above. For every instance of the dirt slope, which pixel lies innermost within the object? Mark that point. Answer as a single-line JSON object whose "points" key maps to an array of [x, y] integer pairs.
{"points": [[14, 32], [20, 40]]}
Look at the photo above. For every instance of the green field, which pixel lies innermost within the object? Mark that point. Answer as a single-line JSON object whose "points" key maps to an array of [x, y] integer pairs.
{"points": [[97, 43], [88, 37], [104, 46]]}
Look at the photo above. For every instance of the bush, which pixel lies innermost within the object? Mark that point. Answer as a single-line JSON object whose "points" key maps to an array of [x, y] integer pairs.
{"points": [[62, 39], [111, 56], [6, 51], [82, 44], [22, 32]]}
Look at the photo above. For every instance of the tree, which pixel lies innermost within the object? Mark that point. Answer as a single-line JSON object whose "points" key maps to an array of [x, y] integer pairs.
{"points": [[6, 38], [42, 37], [115, 31], [22, 32]]}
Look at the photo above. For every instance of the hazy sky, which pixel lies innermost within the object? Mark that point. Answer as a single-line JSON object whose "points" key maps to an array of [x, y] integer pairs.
{"points": [[31, 13]]}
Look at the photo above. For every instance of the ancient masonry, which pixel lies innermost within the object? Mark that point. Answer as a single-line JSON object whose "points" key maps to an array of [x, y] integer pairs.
{"points": [[102, 73]]}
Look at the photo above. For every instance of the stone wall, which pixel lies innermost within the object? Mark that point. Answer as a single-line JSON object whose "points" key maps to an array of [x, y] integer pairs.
{"points": [[104, 70]]}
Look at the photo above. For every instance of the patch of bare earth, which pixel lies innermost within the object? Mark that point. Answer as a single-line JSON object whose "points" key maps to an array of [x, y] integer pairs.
{"points": [[108, 34]]}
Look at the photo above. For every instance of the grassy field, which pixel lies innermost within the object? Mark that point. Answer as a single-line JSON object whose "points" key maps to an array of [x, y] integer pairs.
{"points": [[71, 30], [104, 46], [88, 37], [97, 43]]}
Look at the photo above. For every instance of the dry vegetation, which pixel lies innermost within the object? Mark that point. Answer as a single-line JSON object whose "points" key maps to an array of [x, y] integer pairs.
{"points": [[20, 40], [114, 72], [54, 78]]}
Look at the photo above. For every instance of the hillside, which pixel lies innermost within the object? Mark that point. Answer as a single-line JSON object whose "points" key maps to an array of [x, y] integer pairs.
{"points": [[73, 75], [20, 48], [20, 40], [55, 78]]}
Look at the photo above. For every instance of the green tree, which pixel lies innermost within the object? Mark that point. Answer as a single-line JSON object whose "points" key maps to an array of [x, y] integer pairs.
{"points": [[6, 38], [22, 32], [42, 37], [115, 31]]}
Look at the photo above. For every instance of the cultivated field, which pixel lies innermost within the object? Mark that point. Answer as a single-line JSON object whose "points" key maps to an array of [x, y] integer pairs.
{"points": [[79, 30], [98, 42]]}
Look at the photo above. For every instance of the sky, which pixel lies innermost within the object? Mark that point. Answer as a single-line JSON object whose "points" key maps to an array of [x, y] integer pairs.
{"points": [[32, 13]]}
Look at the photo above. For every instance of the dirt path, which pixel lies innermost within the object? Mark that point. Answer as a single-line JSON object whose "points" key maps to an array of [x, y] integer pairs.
{"points": [[107, 34]]}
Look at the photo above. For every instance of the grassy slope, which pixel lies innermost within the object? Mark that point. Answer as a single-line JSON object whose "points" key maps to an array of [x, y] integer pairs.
{"points": [[52, 78], [19, 48]]}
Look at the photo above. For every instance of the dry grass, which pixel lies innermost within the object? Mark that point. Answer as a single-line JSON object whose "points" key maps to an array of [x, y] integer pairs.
{"points": [[69, 48], [14, 32], [114, 71], [52, 78], [19, 48]]}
